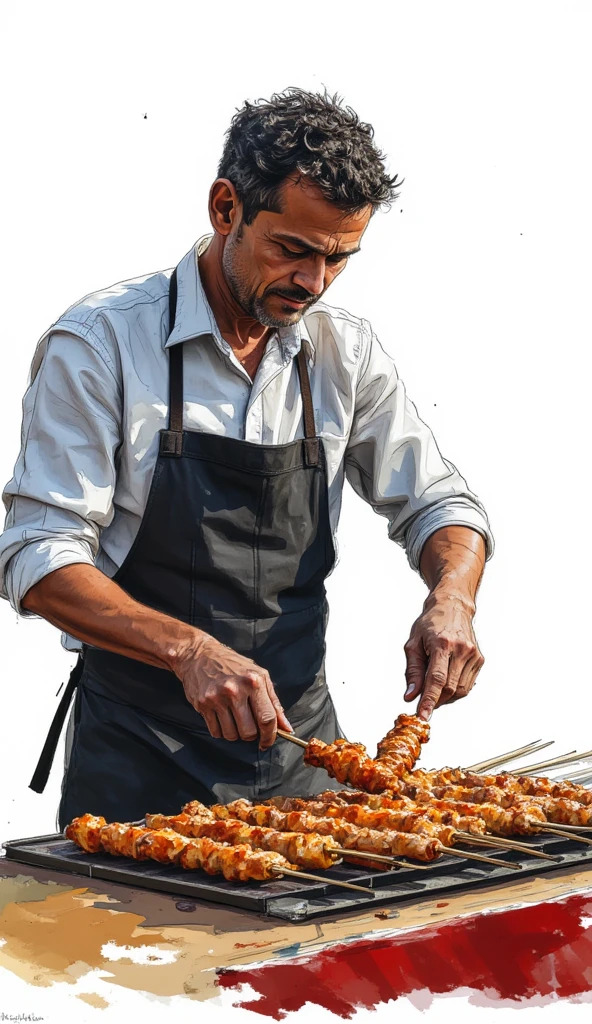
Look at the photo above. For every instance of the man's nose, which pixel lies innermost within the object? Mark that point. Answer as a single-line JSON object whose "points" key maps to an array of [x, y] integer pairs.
{"points": [[311, 277]]}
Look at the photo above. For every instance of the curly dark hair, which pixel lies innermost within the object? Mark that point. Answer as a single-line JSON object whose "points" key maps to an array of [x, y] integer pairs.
{"points": [[308, 134]]}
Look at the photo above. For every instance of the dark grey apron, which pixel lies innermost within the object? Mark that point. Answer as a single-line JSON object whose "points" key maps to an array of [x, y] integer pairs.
{"points": [[236, 540]]}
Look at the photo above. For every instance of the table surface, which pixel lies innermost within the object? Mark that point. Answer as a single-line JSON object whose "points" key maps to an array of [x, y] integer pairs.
{"points": [[58, 926]]}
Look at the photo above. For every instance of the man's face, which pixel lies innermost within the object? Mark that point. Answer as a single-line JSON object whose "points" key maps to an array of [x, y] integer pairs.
{"points": [[280, 264]]}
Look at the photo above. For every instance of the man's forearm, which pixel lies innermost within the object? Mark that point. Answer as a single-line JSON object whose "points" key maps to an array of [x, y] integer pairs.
{"points": [[452, 563], [443, 658], [233, 694], [87, 604]]}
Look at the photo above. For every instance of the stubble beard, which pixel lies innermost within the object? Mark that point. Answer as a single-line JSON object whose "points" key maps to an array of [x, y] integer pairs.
{"points": [[253, 304]]}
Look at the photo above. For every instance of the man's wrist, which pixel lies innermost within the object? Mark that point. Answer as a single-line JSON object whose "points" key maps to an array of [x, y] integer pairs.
{"points": [[178, 652], [452, 591]]}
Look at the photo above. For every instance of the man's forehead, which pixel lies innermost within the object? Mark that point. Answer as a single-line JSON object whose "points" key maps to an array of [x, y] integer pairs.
{"points": [[307, 217]]}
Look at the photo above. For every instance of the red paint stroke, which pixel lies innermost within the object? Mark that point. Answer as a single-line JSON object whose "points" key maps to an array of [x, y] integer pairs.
{"points": [[542, 951]]}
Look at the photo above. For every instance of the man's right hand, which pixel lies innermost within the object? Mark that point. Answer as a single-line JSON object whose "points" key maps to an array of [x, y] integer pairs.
{"points": [[235, 696]]}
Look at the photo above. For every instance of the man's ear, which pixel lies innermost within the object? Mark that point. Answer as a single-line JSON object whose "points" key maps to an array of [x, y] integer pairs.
{"points": [[224, 206]]}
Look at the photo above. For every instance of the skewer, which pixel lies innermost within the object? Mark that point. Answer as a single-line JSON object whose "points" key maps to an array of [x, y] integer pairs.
{"points": [[503, 844], [324, 881], [571, 828], [293, 739], [564, 759], [493, 762], [571, 759], [581, 776], [561, 832], [377, 856], [479, 856]]}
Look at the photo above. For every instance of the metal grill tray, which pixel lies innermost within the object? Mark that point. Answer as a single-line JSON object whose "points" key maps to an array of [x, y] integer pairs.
{"points": [[299, 900]]}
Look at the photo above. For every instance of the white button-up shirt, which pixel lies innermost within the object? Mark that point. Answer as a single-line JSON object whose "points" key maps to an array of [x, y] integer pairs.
{"points": [[98, 396]]}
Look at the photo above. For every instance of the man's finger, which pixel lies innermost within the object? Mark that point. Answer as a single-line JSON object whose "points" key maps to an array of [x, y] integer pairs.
{"points": [[227, 724], [435, 681], [282, 721], [263, 710], [211, 719], [469, 676], [456, 667], [417, 661], [246, 724]]}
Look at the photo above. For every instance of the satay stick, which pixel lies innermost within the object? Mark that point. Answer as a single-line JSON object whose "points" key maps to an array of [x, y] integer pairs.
{"points": [[504, 844], [364, 855], [324, 881], [562, 832], [568, 758], [293, 739], [448, 850], [494, 762], [382, 857], [568, 828]]}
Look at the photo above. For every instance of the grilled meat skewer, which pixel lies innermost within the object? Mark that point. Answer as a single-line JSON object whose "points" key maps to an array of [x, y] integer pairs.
{"points": [[236, 863]]}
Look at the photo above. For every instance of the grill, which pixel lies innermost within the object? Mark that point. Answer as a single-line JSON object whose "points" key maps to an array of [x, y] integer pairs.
{"points": [[295, 900]]}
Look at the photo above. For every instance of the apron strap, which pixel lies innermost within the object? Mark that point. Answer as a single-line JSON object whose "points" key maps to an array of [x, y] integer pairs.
{"points": [[41, 773], [311, 441], [172, 439]]}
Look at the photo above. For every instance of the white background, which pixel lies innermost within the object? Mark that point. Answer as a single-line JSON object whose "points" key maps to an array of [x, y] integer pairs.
{"points": [[477, 282]]}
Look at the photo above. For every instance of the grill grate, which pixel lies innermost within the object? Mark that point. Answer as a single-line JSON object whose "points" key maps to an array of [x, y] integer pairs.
{"points": [[299, 900]]}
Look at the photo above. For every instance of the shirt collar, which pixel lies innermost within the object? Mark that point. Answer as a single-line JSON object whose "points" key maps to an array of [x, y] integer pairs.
{"points": [[194, 316]]}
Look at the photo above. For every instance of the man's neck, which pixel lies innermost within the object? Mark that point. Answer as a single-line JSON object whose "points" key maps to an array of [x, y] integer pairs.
{"points": [[246, 335]]}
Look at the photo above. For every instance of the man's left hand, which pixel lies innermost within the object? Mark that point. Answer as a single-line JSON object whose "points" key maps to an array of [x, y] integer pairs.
{"points": [[443, 658]]}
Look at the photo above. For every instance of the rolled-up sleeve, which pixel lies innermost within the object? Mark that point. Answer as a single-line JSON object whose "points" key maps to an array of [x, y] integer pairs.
{"points": [[393, 462], [61, 494]]}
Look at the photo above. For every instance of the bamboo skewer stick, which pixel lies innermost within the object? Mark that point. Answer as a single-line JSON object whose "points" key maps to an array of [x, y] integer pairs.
{"points": [[570, 828], [448, 850], [564, 759], [364, 855], [580, 776], [503, 844], [561, 832], [293, 739], [511, 755], [324, 881]]}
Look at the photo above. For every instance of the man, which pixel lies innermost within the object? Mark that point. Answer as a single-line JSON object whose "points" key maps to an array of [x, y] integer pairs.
{"points": [[186, 437]]}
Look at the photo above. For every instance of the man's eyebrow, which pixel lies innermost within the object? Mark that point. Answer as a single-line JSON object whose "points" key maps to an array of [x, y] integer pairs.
{"points": [[295, 240]]}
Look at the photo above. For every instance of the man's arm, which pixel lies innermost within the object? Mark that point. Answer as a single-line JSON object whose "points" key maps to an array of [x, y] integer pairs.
{"points": [[235, 696], [443, 658], [59, 500], [394, 463]]}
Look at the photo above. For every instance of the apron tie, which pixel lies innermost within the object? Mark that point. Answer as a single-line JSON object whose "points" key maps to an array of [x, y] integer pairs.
{"points": [[41, 773]]}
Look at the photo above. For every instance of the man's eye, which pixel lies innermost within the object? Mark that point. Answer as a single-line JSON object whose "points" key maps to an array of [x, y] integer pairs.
{"points": [[294, 255]]}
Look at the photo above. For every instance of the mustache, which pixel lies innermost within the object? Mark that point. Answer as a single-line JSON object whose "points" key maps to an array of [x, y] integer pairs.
{"points": [[296, 296]]}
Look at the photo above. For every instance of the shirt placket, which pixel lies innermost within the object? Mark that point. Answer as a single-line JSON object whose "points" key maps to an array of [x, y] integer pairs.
{"points": [[275, 361]]}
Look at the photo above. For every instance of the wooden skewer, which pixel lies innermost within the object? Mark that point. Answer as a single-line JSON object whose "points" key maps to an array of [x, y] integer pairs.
{"points": [[530, 768], [568, 759], [364, 855], [561, 832], [504, 844], [569, 828], [585, 773], [324, 881], [382, 857], [493, 762], [479, 856], [293, 739]]}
